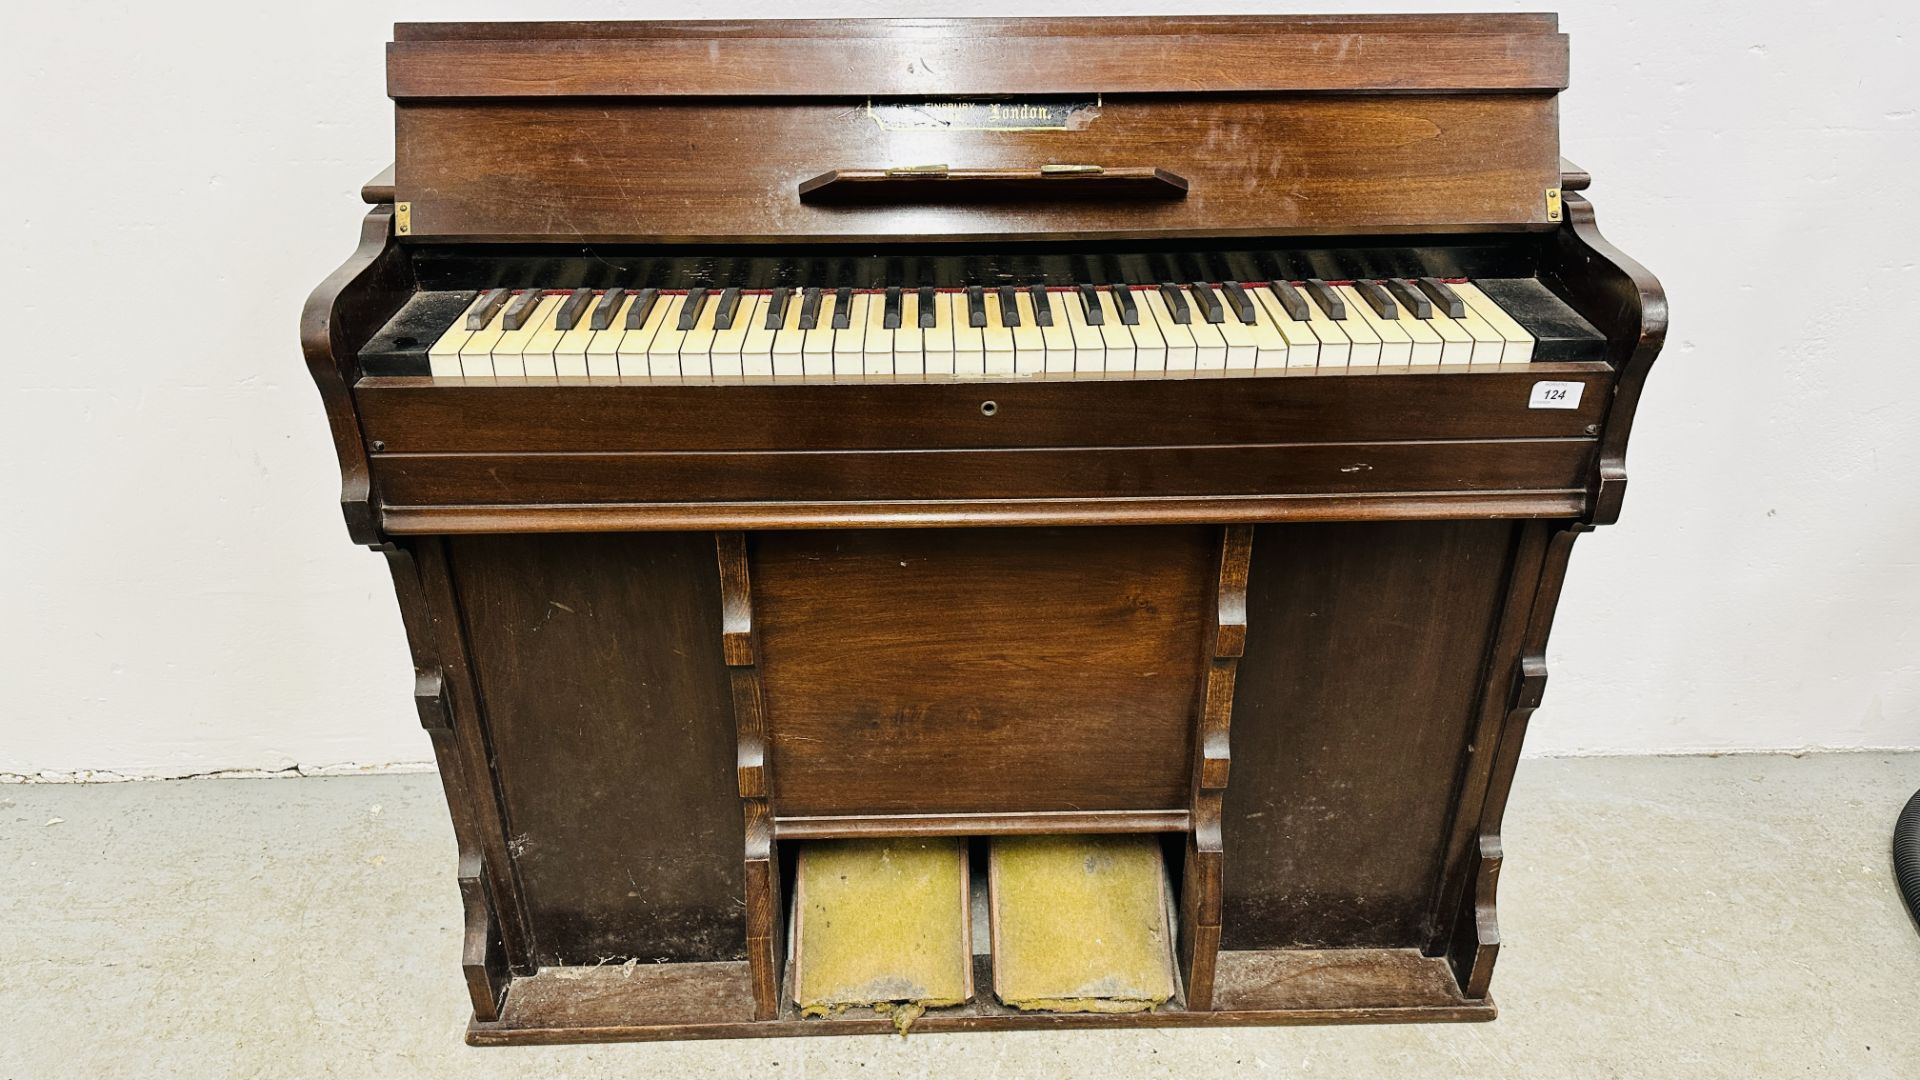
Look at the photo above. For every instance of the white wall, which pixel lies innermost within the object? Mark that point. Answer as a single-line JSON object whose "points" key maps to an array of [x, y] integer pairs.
{"points": [[178, 593]]}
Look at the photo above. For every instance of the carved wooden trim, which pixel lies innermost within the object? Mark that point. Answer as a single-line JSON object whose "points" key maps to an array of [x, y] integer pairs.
{"points": [[1201, 894], [737, 646], [497, 942]]}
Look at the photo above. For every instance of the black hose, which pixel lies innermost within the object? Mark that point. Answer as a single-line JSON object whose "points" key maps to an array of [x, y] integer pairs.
{"points": [[1906, 855]]}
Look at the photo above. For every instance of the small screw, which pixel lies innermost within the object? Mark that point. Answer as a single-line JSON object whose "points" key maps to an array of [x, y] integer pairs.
{"points": [[378, 446], [1593, 429]]}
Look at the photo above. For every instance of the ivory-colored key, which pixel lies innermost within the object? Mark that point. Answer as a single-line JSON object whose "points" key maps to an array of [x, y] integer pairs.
{"points": [[1029, 340], [443, 356], [1269, 346], [1182, 352], [538, 354], [789, 343], [1242, 351], [1336, 349], [756, 348], [1210, 346], [1303, 346], [1056, 335], [1396, 348], [1365, 342], [969, 341], [663, 353], [1488, 343], [509, 351], [729, 345], [1149, 344], [570, 353], [1089, 348], [696, 348], [1456, 345], [632, 356], [1426, 340], [816, 355], [909, 348], [1516, 343], [1116, 337], [939, 337], [850, 341], [476, 353], [996, 338], [876, 347]]}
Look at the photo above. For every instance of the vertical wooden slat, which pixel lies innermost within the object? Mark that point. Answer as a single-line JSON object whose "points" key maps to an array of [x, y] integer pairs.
{"points": [[764, 938]]}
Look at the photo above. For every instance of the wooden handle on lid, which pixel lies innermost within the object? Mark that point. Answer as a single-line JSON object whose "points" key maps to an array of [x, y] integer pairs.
{"points": [[940, 184]]}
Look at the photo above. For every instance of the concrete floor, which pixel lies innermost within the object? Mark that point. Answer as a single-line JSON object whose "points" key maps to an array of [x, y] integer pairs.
{"points": [[1666, 917]]}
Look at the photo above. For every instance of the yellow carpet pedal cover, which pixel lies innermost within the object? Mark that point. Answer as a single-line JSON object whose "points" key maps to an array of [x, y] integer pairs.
{"points": [[882, 924], [1080, 923]]}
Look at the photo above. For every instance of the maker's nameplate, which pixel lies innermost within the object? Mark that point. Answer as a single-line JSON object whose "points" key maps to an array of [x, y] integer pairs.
{"points": [[1026, 115]]}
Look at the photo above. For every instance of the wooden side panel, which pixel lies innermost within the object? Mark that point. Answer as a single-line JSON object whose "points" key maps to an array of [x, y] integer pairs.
{"points": [[1356, 696], [981, 670], [656, 170], [611, 727]]}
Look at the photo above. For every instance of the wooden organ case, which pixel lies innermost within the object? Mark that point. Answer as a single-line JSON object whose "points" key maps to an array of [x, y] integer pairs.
{"points": [[675, 613]]}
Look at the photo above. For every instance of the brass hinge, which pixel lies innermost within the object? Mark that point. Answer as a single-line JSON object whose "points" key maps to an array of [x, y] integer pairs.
{"points": [[403, 218], [1553, 204]]}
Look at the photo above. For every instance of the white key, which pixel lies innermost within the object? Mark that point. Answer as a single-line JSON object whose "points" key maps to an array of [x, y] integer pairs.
{"points": [[1058, 337], [969, 341], [443, 356], [997, 338], [663, 353], [1365, 342], [1427, 343], [909, 348], [1149, 344], [816, 355], [1303, 346], [1181, 350], [1029, 343], [938, 338], [1089, 347], [1488, 343], [1269, 346], [509, 353], [1242, 352], [876, 350], [1517, 344], [630, 354], [1210, 346], [1116, 338], [570, 353], [476, 353], [756, 348], [538, 354], [1396, 348], [729, 345], [1335, 347], [696, 347], [850, 342], [789, 341]]}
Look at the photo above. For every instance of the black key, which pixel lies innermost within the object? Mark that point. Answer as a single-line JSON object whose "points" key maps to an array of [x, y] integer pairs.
{"points": [[1176, 303], [1329, 301], [929, 307], [1239, 301], [810, 308], [1411, 298], [842, 308], [1042, 305], [690, 310], [976, 306], [1129, 311], [574, 306], [521, 309], [1009, 306], [1290, 299], [1377, 299], [489, 307], [1090, 300], [1448, 300], [1209, 302], [777, 308], [890, 314], [726, 308], [608, 307], [642, 307]]}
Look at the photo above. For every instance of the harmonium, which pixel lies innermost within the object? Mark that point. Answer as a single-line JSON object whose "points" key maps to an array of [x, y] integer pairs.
{"points": [[971, 524]]}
